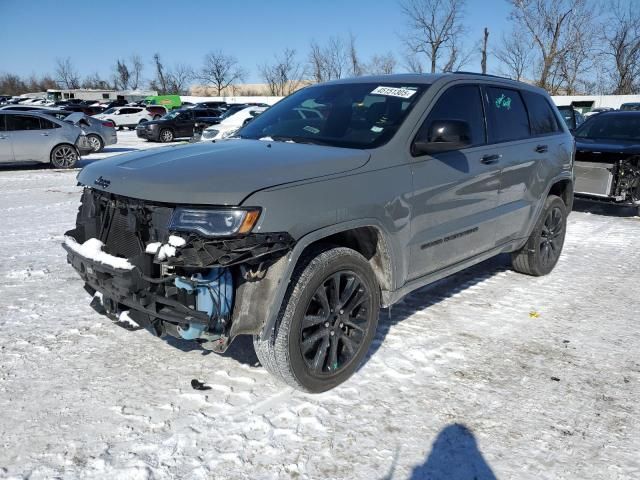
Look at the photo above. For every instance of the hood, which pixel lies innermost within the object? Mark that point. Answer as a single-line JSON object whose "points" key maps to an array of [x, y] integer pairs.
{"points": [[605, 145], [222, 173]]}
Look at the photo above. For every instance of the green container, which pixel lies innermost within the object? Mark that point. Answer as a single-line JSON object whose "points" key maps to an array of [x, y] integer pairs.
{"points": [[171, 102]]}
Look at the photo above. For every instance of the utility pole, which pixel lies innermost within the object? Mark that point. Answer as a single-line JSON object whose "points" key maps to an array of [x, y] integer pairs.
{"points": [[484, 50]]}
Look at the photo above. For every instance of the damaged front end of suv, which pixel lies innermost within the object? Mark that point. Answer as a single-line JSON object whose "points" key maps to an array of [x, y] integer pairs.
{"points": [[196, 273]]}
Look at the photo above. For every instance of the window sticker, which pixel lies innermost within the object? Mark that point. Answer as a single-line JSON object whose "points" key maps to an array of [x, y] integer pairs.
{"points": [[376, 129], [311, 129], [394, 92], [503, 102]]}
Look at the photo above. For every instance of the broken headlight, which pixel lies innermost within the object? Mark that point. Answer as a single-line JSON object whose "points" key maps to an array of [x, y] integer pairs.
{"points": [[213, 223]]}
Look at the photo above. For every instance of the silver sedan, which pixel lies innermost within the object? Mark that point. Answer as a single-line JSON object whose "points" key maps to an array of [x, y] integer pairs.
{"points": [[100, 133], [34, 137]]}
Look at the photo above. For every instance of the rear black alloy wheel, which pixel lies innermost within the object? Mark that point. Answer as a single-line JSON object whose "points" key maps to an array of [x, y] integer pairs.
{"points": [[327, 323], [335, 323], [551, 237], [544, 246], [64, 156]]}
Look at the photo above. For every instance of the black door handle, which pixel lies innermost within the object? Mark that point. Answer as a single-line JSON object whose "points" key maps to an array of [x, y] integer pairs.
{"points": [[489, 159], [542, 148]]}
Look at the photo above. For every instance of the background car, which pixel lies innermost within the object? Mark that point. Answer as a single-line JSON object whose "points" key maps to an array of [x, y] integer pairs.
{"points": [[572, 117], [158, 111], [231, 124], [34, 137], [24, 108], [176, 124], [607, 165], [84, 108], [630, 106], [596, 110], [218, 105], [126, 116], [99, 132]]}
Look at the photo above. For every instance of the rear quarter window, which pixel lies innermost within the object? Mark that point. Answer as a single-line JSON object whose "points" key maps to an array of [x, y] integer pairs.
{"points": [[506, 114], [541, 116]]}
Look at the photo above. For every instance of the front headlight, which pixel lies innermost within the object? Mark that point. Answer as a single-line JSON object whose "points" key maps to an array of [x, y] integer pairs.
{"points": [[213, 223]]}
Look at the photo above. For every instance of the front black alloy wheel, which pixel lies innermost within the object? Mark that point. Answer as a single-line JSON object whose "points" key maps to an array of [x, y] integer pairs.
{"points": [[335, 324], [327, 322]]}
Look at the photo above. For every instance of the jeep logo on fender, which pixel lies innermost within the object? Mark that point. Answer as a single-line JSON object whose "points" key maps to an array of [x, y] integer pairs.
{"points": [[102, 182]]}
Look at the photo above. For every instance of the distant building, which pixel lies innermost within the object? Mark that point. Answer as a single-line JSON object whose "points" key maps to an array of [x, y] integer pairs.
{"points": [[586, 103], [56, 95]]}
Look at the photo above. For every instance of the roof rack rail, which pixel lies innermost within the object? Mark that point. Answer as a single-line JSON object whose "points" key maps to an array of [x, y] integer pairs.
{"points": [[482, 74]]}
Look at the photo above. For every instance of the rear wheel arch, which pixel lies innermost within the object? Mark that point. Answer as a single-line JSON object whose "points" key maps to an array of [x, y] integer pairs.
{"points": [[563, 189]]}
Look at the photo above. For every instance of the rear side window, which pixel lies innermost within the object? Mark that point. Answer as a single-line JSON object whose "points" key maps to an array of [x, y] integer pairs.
{"points": [[22, 122], [48, 124], [462, 102], [2, 125], [506, 115], [543, 120]]}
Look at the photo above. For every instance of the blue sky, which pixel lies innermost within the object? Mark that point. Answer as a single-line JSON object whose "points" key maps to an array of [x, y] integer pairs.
{"points": [[95, 33]]}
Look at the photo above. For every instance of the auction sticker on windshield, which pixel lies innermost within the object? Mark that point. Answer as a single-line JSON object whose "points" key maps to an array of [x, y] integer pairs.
{"points": [[393, 92]]}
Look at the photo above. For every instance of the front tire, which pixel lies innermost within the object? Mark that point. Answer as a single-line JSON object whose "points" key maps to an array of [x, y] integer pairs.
{"points": [[166, 135], [327, 322], [542, 251], [64, 156], [96, 143]]}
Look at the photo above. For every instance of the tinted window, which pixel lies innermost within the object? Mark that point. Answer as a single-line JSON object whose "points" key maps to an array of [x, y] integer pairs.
{"points": [[22, 122], [2, 127], [47, 124], [506, 114], [543, 120], [201, 113], [458, 103]]}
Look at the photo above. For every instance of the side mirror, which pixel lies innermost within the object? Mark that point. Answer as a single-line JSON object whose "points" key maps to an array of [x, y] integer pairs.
{"points": [[443, 136]]}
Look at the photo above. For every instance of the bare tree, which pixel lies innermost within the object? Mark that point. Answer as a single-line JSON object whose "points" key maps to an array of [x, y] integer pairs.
{"points": [[485, 41], [135, 69], [356, 66], [552, 26], [159, 83], [328, 62], [220, 71], [382, 64], [434, 25], [457, 58], [66, 74], [121, 75], [622, 45], [95, 81], [514, 55], [412, 63], [285, 75], [178, 78]]}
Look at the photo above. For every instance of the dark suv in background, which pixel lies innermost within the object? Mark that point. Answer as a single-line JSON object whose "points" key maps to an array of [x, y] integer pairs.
{"points": [[177, 124], [299, 228]]}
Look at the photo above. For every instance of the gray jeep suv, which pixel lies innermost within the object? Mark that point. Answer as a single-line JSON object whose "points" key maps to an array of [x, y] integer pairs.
{"points": [[297, 230]]}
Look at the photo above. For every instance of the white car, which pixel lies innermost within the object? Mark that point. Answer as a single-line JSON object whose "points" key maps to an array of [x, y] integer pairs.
{"points": [[231, 124], [126, 116]]}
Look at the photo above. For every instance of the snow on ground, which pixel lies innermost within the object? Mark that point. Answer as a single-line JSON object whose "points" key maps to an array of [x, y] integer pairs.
{"points": [[489, 374]]}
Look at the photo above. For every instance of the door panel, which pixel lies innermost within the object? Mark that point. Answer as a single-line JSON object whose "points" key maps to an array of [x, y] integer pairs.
{"points": [[454, 209], [29, 141], [6, 149]]}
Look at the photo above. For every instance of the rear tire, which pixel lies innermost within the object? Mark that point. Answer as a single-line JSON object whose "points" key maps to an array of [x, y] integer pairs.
{"points": [[96, 143], [64, 156], [327, 321], [543, 248]]}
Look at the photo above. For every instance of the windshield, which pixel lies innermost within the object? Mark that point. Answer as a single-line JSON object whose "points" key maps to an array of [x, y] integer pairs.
{"points": [[109, 110], [611, 126], [358, 115]]}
